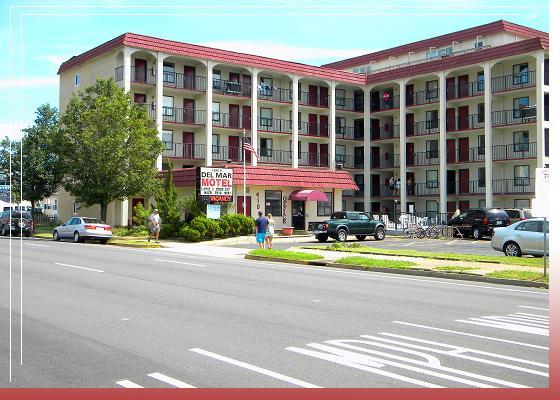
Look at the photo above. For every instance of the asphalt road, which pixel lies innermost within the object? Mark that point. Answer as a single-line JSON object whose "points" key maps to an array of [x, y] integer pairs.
{"points": [[100, 316]]}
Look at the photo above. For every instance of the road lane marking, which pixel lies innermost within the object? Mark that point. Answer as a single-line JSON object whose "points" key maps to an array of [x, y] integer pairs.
{"points": [[171, 381], [179, 262], [471, 335], [533, 316], [75, 266], [408, 244], [254, 368], [506, 326], [453, 241], [534, 308], [35, 244], [522, 321], [129, 384]]}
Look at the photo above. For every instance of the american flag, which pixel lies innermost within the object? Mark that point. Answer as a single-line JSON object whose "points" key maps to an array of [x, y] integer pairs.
{"points": [[248, 146]]}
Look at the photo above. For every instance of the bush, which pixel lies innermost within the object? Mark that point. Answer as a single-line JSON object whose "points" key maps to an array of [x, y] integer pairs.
{"points": [[140, 215], [213, 229], [246, 224], [190, 234], [199, 225], [168, 231], [234, 224], [225, 227]]}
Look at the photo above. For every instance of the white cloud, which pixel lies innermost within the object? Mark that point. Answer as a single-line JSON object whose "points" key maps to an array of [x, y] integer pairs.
{"points": [[13, 131], [56, 59], [286, 52], [25, 82]]}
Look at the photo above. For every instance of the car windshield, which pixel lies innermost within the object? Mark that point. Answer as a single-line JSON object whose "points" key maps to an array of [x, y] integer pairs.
{"points": [[93, 221], [19, 215]]}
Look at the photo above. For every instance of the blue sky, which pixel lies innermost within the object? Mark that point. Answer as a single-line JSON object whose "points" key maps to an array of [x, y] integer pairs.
{"points": [[45, 33]]}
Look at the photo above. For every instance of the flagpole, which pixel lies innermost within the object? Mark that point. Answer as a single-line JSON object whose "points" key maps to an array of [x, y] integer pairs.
{"points": [[244, 176]]}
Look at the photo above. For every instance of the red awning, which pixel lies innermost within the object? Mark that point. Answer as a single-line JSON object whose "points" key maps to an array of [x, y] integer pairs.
{"points": [[308, 195]]}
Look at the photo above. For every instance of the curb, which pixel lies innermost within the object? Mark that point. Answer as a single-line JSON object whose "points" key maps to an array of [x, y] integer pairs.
{"points": [[137, 245], [410, 271]]}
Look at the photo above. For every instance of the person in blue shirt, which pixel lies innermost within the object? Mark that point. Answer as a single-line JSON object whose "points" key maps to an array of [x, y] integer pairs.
{"points": [[261, 227]]}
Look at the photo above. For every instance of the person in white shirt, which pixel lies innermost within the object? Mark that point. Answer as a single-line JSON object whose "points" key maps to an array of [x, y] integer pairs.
{"points": [[269, 231], [154, 225]]}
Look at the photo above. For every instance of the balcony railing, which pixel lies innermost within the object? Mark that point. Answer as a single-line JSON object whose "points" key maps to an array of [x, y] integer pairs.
{"points": [[468, 122], [383, 191], [227, 153], [347, 161], [514, 151], [430, 157], [314, 129], [467, 89], [185, 116], [513, 82], [422, 189], [231, 88], [231, 121], [314, 159], [274, 125], [274, 94], [269, 156], [525, 115], [388, 132], [392, 103], [181, 81], [188, 151], [143, 75], [420, 128], [344, 104], [387, 160], [422, 97], [513, 186], [466, 155], [344, 132], [150, 110], [313, 100]]}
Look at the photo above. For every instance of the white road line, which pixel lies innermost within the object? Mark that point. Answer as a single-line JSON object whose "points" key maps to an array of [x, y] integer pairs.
{"points": [[408, 244], [474, 242], [471, 335], [75, 266], [171, 381], [128, 384], [534, 316], [448, 243], [34, 244], [254, 368], [518, 321], [534, 308], [502, 325], [179, 262]]}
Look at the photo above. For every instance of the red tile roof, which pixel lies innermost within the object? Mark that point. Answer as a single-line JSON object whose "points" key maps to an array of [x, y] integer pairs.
{"points": [[438, 41]]}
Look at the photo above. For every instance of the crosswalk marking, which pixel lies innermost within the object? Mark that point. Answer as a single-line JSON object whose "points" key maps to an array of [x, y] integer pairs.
{"points": [[503, 325], [534, 308], [532, 316], [171, 381], [519, 321], [129, 384]]}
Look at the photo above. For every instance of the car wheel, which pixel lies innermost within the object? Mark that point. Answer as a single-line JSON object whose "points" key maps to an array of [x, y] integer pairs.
{"points": [[512, 249], [77, 238], [55, 236], [103, 241], [27, 234], [323, 237], [341, 235], [4, 231], [361, 237], [379, 234], [476, 233]]}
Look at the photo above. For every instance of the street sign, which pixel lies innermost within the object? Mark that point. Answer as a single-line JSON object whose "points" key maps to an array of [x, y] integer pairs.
{"points": [[213, 211], [215, 184]]}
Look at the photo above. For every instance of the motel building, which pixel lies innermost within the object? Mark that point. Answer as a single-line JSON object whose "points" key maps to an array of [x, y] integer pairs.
{"points": [[460, 119]]}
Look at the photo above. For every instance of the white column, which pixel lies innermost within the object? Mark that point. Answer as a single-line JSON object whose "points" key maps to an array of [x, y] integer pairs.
{"points": [[208, 127], [442, 145], [367, 150], [332, 132], [127, 68], [254, 113], [159, 102], [295, 121], [489, 198], [402, 142], [540, 108]]}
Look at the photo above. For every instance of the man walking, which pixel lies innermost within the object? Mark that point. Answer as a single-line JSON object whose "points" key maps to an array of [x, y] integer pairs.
{"points": [[154, 225], [261, 227]]}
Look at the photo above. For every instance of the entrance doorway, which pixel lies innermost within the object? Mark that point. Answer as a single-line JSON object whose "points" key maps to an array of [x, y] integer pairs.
{"points": [[298, 215], [240, 205]]}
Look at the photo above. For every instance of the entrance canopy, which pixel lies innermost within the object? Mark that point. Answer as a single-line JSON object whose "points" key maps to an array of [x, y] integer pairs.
{"points": [[308, 195]]}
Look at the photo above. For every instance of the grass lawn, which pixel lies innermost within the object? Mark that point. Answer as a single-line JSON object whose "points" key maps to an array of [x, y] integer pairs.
{"points": [[133, 243], [519, 275], [286, 255], [529, 262], [371, 262], [454, 268]]}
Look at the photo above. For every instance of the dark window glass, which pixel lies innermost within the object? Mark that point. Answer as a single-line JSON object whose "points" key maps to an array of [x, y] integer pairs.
{"points": [[273, 202]]}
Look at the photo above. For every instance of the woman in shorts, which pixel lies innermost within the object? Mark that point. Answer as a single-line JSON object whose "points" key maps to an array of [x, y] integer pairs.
{"points": [[269, 231]]}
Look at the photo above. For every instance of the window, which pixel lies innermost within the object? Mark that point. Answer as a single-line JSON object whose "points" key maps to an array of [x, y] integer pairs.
{"points": [[481, 144], [480, 112], [215, 144], [358, 206], [521, 175], [480, 81], [432, 180], [340, 153], [340, 97], [216, 79], [273, 202], [432, 90], [481, 203], [444, 51], [431, 208], [167, 106], [77, 80], [215, 112], [266, 147], [265, 87], [519, 103], [520, 74], [363, 217], [521, 141], [340, 125], [167, 139], [168, 72], [325, 207], [298, 148], [266, 117], [482, 177], [521, 203], [432, 119], [431, 149], [359, 179], [530, 226], [479, 43]]}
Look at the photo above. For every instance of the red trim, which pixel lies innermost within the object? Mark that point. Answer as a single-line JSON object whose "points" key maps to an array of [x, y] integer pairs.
{"points": [[95, 52]]}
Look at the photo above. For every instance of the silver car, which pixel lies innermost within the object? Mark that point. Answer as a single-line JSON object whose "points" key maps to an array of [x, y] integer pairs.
{"points": [[82, 228], [522, 237]]}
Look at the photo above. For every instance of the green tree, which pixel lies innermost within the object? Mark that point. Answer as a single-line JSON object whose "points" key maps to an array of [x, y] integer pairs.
{"points": [[166, 199], [107, 146], [10, 151]]}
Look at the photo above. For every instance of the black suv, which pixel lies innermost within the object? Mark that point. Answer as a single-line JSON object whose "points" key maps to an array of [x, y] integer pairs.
{"points": [[18, 221], [480, 222]]}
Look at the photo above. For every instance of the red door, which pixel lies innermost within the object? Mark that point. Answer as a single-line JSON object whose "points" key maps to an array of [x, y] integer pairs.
{"points": [[188, 77], [234, 116], [240, 205], [450, 88], [410, 186], [409, 95], [463, 86], [312, 95], [140, 67], [463, 117], [324, 125], [410, 154], [375, 186], [246, 117], [463, 181], [464, 149], [451, 206], [375, 157], [312, 125], [188, 111], [233, 77], [323, 96], [324, 154], [464, 205], [450, 119], [312, 154], [246, 82], [451, 150], [139, 98], [234, 153], [188, 145], [375, 130], [409, 124]]}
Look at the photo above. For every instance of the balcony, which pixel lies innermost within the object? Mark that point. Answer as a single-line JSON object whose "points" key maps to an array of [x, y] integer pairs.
{"points": [[227, 153], [463, 90], [514, 151], [269, 156], [513, 186], [314, 159], [142, 75], [348, 161], [345, 104], [274, 94], [186, 151], [420, 128], [465, 123], [428, 189], [383, 191], [465, 155], [378, 104], [389, 160], [181, 81], [313, 99], [231, 88], [422, 97], [518, 116], [423, 158], [185, 116], [150, 110], [344, 132], [387, 132], [513, 82], [314, 129], [231, 121], [274, 125]]}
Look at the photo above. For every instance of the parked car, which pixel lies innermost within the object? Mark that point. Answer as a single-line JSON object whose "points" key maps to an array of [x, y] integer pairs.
{"points": [[344, 223], [480, 222], [82, 228], [522, 237], [17, 222], [518, 214]]}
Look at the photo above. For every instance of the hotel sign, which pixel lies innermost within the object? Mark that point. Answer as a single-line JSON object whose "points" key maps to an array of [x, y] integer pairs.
{"points": [[215, 185]]}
